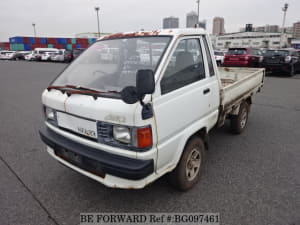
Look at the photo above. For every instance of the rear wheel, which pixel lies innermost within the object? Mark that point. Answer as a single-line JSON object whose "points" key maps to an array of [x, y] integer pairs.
{"points": [[292, 71], [238, 122], [188, 170]]}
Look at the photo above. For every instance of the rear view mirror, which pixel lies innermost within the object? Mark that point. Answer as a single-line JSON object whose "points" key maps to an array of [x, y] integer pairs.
{"points": [[145, 84]]}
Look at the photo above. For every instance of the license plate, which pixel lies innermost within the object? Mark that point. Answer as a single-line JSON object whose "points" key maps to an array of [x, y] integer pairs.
{"points": [[69, 156], [81, 126]]}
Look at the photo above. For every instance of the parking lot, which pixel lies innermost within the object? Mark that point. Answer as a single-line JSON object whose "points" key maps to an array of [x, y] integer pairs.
{"points": [[249, 179]]}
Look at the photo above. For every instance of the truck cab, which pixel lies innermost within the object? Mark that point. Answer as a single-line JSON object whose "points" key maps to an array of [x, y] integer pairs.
{"points": [[126, 120]]}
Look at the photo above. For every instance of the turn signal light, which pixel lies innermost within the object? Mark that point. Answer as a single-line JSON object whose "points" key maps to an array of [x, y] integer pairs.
{"points": [[144, 137]]}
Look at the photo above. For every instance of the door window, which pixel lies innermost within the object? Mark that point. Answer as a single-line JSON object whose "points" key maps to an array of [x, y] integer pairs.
{"points": [[185, 67]]}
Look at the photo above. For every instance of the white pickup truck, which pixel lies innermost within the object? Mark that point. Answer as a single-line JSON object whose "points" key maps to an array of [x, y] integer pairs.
{"points": [[125, 122]]}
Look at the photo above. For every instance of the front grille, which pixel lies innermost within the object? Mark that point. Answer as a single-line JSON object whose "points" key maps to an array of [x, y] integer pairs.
{"points": [[273, 60], [104, 131]]}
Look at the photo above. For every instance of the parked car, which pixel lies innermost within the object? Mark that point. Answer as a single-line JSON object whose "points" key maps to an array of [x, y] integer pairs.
{"points": [[219, 56], [243, 57], [8, 55], [116, 123], [38, 52], [62, 56], [77, 52], [283, 60], [30, 56], [46, 56], [20, 55]]}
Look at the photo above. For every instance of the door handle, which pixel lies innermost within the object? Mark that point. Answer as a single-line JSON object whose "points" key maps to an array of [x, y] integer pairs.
{"points": [[206, 91]]}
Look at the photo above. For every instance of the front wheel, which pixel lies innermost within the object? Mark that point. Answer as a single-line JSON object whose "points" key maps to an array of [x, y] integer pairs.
{"points": [[188, 170], [238, 122]]}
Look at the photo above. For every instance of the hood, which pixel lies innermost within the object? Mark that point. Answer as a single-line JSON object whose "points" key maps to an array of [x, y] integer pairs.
{"points": [[102, 109]]}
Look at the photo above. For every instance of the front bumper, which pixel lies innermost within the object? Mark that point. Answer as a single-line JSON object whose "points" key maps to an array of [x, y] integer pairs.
{"points": [[99, 165], [276, 67]]}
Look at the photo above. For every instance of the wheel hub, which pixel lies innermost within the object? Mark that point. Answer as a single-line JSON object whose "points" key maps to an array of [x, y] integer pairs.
{"points": [[193, 164]]}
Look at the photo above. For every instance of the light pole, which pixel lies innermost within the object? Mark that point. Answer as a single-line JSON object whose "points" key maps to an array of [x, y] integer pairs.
{"points": [[198, 19], [97, 10], [284, 9], [34, 31]]}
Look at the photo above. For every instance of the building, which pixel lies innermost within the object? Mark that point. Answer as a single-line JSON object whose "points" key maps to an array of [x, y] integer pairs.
{"points": [[267, 28], [249, 27], [260, 29], [289, 30], [296, 30], [272, 28], [218, 26], [170, 22], [202, 24], [191, 19], [296, 43], [252, 39]]}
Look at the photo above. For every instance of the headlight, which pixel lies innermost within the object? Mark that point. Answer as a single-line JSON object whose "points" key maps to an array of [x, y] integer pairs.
{"points": [[288, 58], [122, 134], [49, 113]]}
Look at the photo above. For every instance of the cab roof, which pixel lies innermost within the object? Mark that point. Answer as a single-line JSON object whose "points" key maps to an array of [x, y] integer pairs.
{"points": [[169, 32]]}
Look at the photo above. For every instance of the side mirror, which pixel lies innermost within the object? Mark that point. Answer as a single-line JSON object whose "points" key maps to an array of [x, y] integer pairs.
{"points": [[145, 84]]}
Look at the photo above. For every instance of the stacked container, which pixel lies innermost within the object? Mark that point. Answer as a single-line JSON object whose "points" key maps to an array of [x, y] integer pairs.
{"points": [[19, 43], [4, 46]]}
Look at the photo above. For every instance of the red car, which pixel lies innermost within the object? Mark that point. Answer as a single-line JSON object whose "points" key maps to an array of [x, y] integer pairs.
{"points": [[243, 57]]}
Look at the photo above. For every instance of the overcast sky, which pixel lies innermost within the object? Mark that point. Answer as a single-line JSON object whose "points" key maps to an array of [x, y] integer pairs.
{"points": [[69, 17]]}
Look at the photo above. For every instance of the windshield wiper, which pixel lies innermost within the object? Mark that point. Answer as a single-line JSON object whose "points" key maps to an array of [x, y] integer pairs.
{"points": [[73, 89]]}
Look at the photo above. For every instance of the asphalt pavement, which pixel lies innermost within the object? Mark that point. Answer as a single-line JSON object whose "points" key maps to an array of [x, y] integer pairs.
{"points": [[250, 179]]}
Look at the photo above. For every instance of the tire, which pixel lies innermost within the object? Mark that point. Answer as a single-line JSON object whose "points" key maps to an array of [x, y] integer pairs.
{"points": [[238, 122], [292, 71], [187, 174]]}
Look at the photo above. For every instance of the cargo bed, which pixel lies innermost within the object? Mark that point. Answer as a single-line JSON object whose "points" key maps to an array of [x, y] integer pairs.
{"points": [[238, 84]]}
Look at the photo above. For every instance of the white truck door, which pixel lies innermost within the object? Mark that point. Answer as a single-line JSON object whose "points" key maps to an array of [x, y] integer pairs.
{"points": [[186, 95]]}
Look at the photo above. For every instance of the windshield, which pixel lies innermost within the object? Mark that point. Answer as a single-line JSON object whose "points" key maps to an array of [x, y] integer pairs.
{"points": [[3, 53], [111, 65], [276, 53], [237, 51]]}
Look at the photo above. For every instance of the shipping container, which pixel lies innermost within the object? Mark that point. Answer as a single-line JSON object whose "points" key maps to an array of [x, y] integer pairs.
{"points": [[51, 40], [73, 40], [37, 40], [33, 46], [58, 46], [84, 45], [61, 41], [32, 40], [69, 47], [82, 41], [4, 46], [50, 46], [16, 40], [17, 47], [26, 40], [91, 40], [27, 47], [43, 40]]}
